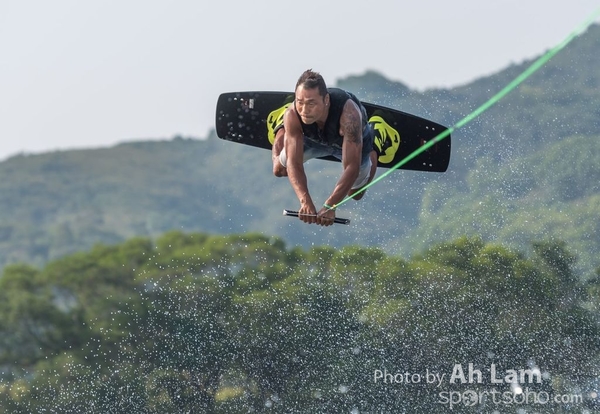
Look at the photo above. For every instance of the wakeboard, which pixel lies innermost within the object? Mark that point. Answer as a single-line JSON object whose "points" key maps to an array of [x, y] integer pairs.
{"points": [[251, 117]]}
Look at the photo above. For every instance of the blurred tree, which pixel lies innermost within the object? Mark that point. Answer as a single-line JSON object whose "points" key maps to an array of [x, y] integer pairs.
{"points": [[198, 323]]}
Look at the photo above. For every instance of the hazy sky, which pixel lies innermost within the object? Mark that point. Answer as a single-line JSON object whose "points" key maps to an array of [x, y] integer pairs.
{"points": [[91, 73]]}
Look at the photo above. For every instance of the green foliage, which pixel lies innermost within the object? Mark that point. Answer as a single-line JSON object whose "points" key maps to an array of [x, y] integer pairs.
{"points": [[204, 323]]}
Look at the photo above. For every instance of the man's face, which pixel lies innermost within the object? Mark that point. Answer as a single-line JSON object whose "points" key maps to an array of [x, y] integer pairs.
{"points": [[311, 106]]}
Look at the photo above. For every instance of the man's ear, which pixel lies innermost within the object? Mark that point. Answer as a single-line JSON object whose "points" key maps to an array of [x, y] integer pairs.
{"points": [[327, 99]]}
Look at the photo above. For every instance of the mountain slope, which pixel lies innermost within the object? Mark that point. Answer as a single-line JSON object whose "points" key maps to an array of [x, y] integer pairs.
{"points": [[553, 193]]}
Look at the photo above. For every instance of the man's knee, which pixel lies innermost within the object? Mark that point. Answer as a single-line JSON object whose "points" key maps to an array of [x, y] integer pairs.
{"points": [[358, 196]]}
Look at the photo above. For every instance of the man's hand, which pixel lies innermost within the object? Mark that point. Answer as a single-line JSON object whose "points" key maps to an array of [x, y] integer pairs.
{"points": [[309, 215], [326, 216], [307, 212]]}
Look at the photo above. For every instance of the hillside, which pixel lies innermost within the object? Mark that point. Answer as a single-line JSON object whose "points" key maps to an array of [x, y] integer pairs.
{"points": [[526, 169]]}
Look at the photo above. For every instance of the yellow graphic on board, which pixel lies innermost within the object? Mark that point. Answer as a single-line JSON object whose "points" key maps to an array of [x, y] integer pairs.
{"points": [[274, 120], [387, 139]]}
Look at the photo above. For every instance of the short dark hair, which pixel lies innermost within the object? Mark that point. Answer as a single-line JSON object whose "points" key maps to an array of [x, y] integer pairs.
{"points": [[311, 79]]}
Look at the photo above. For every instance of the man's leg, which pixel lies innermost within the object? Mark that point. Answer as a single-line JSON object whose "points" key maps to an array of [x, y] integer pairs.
{"points": [[278, 169], [372, 172], [311, 150]]}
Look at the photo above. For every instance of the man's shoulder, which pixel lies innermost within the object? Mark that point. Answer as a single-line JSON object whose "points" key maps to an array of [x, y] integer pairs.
{"points": [[339, 92], [342, 96]]}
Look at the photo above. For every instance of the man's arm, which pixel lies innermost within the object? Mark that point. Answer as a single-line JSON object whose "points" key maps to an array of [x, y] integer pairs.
{"points": [[351, 130], [294, 150]]}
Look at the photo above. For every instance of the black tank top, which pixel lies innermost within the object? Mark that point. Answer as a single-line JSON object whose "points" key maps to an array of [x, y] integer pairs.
{"points": [[330, 134]]}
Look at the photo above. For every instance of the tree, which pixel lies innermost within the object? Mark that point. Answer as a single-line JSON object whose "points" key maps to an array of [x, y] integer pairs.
{"points": [[199, 323]]}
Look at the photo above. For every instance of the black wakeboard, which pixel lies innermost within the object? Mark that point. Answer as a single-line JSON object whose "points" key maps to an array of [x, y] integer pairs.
{"points": [[251, 117]]}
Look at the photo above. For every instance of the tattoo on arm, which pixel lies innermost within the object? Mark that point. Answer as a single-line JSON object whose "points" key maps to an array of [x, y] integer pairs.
{"points": [[351, 125]]}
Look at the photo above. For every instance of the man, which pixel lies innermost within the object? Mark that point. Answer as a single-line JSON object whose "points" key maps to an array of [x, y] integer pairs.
{"points": [[324, 122]]}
